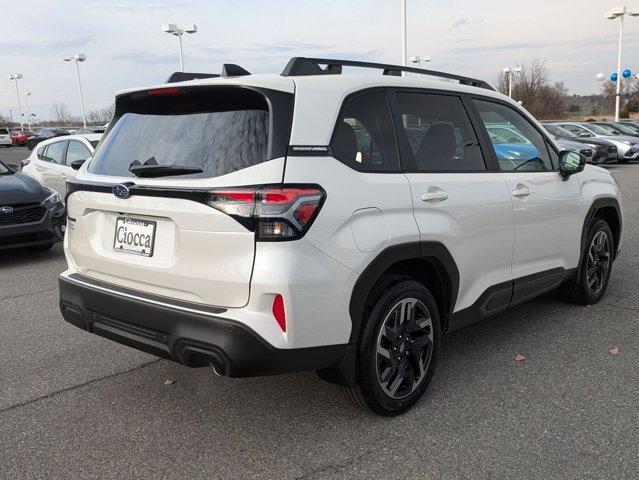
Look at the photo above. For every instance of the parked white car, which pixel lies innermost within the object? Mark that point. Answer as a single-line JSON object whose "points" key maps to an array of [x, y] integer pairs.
{"points": [[5, 137], [311, 220], [55, 161]]}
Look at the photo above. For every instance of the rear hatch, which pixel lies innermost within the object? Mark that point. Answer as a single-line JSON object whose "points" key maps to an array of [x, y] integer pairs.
{"points": [[144, 214]]}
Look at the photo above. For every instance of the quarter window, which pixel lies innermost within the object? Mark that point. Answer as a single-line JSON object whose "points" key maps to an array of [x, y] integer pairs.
{"points": [[364, 138], [439, 135], [518, 145], [42, 152]]}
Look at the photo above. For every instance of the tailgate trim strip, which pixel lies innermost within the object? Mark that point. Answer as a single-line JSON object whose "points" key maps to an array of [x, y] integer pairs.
{"points": [[158, 300]]}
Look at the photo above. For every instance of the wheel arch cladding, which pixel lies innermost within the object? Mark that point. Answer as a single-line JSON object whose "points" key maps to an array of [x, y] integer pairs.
{"points": [[427, 262], [607, 209]]}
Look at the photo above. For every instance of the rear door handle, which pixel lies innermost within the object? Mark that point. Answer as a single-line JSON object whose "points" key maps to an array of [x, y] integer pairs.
{"points": [[434, 196], [521, 191]]}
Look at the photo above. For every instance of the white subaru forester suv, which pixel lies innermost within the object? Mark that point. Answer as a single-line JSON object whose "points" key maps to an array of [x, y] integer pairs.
{"points": [[311, 220]]}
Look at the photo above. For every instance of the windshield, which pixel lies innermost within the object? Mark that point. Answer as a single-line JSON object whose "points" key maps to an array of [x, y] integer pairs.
{"points": [[627, 129], [608, 128], [216, 131], [596, 129], [558, 131]]}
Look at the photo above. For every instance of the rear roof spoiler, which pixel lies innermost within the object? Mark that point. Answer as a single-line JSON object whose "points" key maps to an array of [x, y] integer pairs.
{"points": [[184, 76], [228, 70]]}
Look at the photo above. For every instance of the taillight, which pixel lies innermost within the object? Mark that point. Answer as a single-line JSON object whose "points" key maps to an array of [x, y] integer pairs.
{"points": [[273, 212]]}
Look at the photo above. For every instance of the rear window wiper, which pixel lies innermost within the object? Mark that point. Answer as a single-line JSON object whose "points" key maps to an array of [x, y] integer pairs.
{"points": [[151, 171]]}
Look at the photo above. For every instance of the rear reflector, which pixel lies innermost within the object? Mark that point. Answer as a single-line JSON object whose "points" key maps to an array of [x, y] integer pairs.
{"points": [[278, 311], [274, 213]]}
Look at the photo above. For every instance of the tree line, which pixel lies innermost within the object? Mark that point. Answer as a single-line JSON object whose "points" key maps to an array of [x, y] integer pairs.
{"points": [[551, 100], [61, 116]]}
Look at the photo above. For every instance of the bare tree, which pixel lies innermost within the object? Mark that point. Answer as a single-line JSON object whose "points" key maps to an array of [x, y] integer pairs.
{"points": [[533, 88], [4, 120], [60, 113], [629, 96], [100, 116]]}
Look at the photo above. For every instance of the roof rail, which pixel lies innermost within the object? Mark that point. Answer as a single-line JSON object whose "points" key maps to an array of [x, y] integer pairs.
{"points": [[300, 66], [184, 76]]}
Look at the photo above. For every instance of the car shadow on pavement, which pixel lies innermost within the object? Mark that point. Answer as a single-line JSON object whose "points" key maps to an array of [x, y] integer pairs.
{"points": [[486, 349], [25, 257]]}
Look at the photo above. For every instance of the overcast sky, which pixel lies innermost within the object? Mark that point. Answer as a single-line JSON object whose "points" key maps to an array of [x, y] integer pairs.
{"points": [[125, 46]]}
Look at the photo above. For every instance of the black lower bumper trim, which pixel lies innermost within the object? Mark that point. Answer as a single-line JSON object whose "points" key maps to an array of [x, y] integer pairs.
{"points": [[191, 338], [46, 231]]}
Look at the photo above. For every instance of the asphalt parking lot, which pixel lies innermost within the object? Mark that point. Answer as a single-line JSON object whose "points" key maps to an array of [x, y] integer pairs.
{"points": [[73, 405]]}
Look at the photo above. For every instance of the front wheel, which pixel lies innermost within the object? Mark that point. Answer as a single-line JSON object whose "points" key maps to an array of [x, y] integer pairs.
{"points": [[398, 348], [595, 267]]}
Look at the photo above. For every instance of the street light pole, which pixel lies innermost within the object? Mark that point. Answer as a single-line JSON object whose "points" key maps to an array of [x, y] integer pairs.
{"points": [[404, 41], [418, 60], [173, 29], [618, 92], [77, 69], [26, 99], [509, 72], [619, 12], [77, 58], [15, 77]]}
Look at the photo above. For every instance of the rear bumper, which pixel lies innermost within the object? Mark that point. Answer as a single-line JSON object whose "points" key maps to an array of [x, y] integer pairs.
{"points": [[187, 333], [48, 230]]}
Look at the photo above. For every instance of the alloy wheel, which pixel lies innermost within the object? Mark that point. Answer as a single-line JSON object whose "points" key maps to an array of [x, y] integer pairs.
{"points": [[404, 348], [599, 256]]}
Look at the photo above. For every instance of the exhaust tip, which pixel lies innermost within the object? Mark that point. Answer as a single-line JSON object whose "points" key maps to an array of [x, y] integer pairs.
{"points": [[198, 356]]}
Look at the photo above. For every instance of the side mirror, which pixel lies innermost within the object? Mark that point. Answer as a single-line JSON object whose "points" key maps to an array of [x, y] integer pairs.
{"points": [[584, 135], [570, 163], [77, 164]]}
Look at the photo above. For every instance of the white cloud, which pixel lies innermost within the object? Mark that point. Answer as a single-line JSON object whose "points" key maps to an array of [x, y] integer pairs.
{"points": [[126, 47]]}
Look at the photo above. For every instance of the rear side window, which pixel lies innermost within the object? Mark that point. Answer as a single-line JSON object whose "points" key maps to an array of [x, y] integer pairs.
{"points": [[77, 151], [55, 152], [439, 134], [364, 138], [219, 130]]}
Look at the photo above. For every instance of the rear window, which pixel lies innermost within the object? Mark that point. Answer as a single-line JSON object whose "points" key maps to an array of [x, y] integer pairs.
{"points": [[4, 131], [219, 130]]}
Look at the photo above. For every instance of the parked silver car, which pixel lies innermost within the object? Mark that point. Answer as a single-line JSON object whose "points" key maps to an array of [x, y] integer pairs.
{"points": [[627, 146]]}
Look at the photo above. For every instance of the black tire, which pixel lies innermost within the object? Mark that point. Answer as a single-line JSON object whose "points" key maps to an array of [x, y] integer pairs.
{"points": [[622, 160], [583, 290], [41, 248], [417, 347]]}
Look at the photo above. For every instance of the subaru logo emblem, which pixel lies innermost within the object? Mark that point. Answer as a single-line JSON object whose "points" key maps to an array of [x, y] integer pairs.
{"points": [[6, 210], [121, 191]]}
